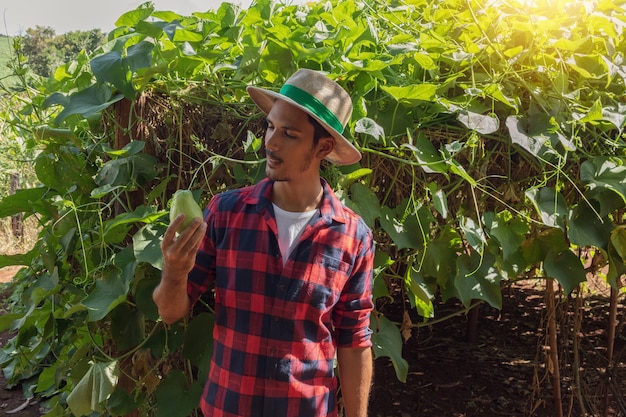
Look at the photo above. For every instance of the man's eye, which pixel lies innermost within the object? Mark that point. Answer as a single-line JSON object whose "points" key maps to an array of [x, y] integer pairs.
{"points": [[287, 135]]}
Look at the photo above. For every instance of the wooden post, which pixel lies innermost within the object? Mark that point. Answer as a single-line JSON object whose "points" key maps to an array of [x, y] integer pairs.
{"points": [[129, 126], [17, 226]]}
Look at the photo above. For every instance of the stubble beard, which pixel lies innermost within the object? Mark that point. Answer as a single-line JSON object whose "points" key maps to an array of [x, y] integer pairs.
{"points": [[303, 168]]}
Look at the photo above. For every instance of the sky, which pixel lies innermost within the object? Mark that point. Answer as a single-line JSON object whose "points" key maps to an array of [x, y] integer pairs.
{"points": [[69, 15]]}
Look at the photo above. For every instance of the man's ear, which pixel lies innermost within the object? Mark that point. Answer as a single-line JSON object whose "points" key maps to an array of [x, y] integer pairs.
{"points": [[325, 146]]}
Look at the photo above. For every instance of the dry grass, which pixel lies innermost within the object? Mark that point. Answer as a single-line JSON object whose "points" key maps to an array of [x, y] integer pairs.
{"points": [[11, 244]]}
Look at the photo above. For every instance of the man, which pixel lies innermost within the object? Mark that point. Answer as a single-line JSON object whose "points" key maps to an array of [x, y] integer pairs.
{"points": [[291, 269]]}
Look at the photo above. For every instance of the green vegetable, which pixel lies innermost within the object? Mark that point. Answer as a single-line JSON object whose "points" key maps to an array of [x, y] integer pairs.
{"points": [[183, 202]]}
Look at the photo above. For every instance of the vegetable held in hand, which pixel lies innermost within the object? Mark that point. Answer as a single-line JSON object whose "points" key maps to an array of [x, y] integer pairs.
{"points": [[184, 203]]}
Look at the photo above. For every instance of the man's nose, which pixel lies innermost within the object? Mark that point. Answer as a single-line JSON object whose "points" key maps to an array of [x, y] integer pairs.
{"points": [[270, 138]]}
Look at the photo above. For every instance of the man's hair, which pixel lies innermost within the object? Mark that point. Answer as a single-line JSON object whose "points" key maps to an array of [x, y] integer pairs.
{"points": [[318, 130]]}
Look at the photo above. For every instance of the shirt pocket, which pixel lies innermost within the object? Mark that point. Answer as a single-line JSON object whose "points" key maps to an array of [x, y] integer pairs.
{"points": [[330, 272]]}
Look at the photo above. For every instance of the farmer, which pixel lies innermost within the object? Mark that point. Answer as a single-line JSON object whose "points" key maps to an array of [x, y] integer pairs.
{"points": [[290, 266]]}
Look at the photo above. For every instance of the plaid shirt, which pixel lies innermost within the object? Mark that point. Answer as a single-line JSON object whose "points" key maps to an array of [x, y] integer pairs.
{"points": [[277, 328]]}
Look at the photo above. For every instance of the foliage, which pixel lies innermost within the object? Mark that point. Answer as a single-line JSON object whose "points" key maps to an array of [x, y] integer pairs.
{"points": [[45, 50], [493, 141]]}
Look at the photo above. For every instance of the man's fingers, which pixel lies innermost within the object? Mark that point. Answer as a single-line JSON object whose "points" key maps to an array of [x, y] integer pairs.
{"points": [[196, 239], [170, 233]]}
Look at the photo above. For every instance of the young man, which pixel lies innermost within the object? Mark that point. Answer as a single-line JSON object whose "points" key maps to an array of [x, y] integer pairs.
{"points": [[290, 266]]}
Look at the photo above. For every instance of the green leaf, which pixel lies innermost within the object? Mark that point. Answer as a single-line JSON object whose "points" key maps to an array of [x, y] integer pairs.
{"points": [[440, 200], [128, 327], [566, 268], [173, 397], [142, 214], [550, 205], [23, 201], [586, 228], [368, 126], [420, 293], [412, 95], [143, 297], [112, 68], [536, 248], [133, 17], [510, 231], [131, 148], [199, 342], [615, 255], [441, 257], [618, 240], [518, 130], [109, 292], [19, 259], [478, 279], [474, 234], [365, 203], [428, 157], [95, 387], [147, 244], [484, 124], [6, 320], [382, 261], [387, 342], [47, 379], [604, 172], [406, 231], [86, 103]]}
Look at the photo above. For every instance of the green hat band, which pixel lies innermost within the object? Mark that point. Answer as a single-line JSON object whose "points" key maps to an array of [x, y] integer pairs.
{"points": [[312, 104]]}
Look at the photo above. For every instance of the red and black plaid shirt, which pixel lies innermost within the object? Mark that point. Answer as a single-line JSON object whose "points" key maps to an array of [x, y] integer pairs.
{"points": [[277, 327]]}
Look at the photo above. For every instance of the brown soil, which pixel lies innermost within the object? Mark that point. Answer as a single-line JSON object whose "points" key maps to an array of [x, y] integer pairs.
{"points": [[501, 373]]}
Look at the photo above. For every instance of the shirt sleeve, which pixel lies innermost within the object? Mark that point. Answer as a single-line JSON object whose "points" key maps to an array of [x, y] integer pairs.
{"points": [[202, 276], [351, 316]]}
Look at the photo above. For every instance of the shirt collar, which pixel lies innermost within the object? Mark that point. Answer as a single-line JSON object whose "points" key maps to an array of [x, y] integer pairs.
{"points": [[331, 208]]}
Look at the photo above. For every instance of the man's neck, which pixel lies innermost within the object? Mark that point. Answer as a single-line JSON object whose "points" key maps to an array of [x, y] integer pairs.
{"points": [[297, 197]]}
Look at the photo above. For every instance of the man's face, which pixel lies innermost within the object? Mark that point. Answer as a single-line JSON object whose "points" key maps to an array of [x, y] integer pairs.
{"points": [[289, 144]]}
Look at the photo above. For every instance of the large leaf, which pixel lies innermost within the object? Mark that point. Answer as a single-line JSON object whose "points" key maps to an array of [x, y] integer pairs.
{"points": [[147, 244], [406, 231], [365, 203], [566, 268], [478, 279], [95, 387], [550, 205], [173, 397], [387, 341], [587, 228], [482, 123], [412, 95], [429, 158], [199, 342], [605, 172], [420, 293], [86, 103], [108, 293], [509, 230], [23, 201]]}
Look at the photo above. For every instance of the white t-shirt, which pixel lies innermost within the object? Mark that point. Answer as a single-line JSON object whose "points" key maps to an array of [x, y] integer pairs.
{"points": [[290, 227]]}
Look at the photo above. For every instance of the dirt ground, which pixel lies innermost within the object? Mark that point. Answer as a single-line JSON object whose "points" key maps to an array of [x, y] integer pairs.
{"points": [[502, 373]]}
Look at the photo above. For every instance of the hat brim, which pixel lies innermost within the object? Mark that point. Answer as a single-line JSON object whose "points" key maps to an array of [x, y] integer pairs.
{"points": [[344, 152]]}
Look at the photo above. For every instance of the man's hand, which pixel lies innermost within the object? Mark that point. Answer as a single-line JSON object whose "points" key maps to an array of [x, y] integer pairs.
{"points": [[179, 256]]}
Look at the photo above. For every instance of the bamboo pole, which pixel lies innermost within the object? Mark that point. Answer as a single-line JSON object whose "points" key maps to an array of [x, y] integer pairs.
{"points": [[553, 354]]}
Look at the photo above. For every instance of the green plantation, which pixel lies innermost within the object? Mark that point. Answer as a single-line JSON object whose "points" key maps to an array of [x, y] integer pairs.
{"points": [[493, 147]]}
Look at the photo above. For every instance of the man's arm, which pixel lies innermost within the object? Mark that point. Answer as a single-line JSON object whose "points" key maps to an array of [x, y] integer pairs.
{"points": [[179, 255], [355, 376]]}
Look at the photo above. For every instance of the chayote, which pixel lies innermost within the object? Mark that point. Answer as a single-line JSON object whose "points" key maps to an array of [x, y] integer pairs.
{"points": [[183, 202]]}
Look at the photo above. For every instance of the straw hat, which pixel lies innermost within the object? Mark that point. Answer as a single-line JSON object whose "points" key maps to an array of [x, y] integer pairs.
{"points": [[322, 98]]}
